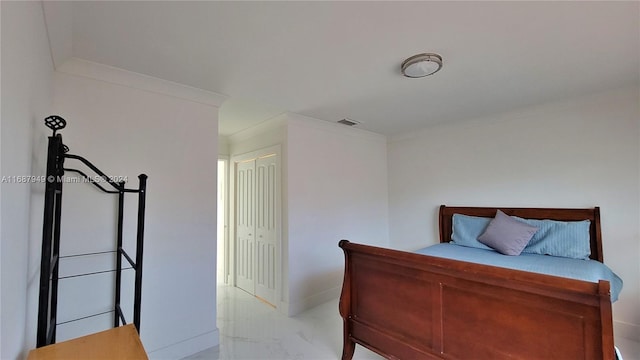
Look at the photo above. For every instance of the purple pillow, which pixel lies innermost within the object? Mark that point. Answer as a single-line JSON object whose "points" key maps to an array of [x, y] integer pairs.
{"points": [[507, 235]]}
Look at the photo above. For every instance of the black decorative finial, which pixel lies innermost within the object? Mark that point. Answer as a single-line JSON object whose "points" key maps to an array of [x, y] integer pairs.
{"points": [[55, 123]]}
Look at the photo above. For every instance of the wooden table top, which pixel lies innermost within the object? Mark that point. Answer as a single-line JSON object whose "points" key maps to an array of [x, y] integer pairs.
{"points": [[114, 344]]}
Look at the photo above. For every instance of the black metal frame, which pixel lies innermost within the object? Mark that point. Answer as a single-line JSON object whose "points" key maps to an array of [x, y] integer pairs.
{"points": [[49, 265]]}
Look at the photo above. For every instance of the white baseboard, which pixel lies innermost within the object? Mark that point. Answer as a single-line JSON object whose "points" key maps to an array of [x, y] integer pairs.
{"points": [[626, 330], [187, 347], [296, 307]]}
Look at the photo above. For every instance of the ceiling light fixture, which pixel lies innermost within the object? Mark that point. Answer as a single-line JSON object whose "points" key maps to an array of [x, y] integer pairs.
{"points": [[421, 65]]}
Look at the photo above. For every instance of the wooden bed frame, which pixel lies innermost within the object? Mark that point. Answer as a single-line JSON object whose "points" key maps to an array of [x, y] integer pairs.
{"points": [[404, 305]]}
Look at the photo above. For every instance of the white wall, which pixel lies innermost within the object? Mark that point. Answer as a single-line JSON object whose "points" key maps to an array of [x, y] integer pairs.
{"points": [[27, 73], [223, 146], [268, 133], [578, 153], [126, 131], [337, 189]]}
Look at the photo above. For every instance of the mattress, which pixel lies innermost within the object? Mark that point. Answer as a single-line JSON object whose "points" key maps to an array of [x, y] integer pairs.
{"points": [[586, 270]]}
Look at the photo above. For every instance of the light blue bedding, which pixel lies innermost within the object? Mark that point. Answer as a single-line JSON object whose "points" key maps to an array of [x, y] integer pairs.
{"points": [[586, 270]]}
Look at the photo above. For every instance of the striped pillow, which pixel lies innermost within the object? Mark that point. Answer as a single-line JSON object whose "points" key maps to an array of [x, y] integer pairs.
{"points": [[559, 238]]}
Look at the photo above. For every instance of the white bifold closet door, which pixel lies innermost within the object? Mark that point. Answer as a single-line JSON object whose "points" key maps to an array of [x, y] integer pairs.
{"points": [[257, 226], [245, 225]]}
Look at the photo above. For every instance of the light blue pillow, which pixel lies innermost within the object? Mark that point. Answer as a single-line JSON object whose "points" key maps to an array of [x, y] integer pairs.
{"points": [[467, 229], [559, 238]]}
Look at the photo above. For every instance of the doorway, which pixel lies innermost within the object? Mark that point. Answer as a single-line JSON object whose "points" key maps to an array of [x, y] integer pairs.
{"points": [[256, 212]]}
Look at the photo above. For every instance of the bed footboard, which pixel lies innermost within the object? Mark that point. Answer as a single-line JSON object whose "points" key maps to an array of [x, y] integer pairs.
{"points": [[409, 306]]}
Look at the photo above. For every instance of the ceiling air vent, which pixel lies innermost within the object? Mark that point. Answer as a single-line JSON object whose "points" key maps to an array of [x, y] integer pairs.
{"points": [[348, 122]]}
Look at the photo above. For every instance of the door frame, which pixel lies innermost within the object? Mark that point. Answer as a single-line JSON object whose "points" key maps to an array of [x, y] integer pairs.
{"points": [[226, 278], [232, 198]]}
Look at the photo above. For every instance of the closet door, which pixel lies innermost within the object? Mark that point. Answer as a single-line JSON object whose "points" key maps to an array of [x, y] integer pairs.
{"points": [[245, 225], [266, 228]]}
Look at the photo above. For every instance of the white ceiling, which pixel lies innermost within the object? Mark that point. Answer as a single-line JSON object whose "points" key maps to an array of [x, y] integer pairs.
{"points": [[332, 60]]}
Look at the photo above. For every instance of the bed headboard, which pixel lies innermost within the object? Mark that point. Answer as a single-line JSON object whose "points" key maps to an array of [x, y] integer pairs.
{"points": [[593, 214]]}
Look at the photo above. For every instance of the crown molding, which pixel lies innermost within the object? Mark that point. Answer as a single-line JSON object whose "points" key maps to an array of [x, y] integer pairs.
{"points": [[114, 75]]}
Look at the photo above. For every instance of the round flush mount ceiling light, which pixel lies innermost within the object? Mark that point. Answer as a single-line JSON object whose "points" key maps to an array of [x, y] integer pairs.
{"points": [[421, 65]]}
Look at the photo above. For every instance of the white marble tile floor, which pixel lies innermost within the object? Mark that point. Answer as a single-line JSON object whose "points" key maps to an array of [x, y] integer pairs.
{"points": [[629, 349], [252, 330]]}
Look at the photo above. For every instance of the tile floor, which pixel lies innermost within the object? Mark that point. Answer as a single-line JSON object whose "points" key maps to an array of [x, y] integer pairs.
{"points": [[629, 349], [250, 329]]}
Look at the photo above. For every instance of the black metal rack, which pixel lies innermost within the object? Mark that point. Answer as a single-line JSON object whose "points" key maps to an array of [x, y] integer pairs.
{"points": [[49, 266]]}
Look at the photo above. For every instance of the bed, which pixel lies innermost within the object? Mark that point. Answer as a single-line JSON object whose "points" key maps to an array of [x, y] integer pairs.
{"points": [[405, 305]]}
